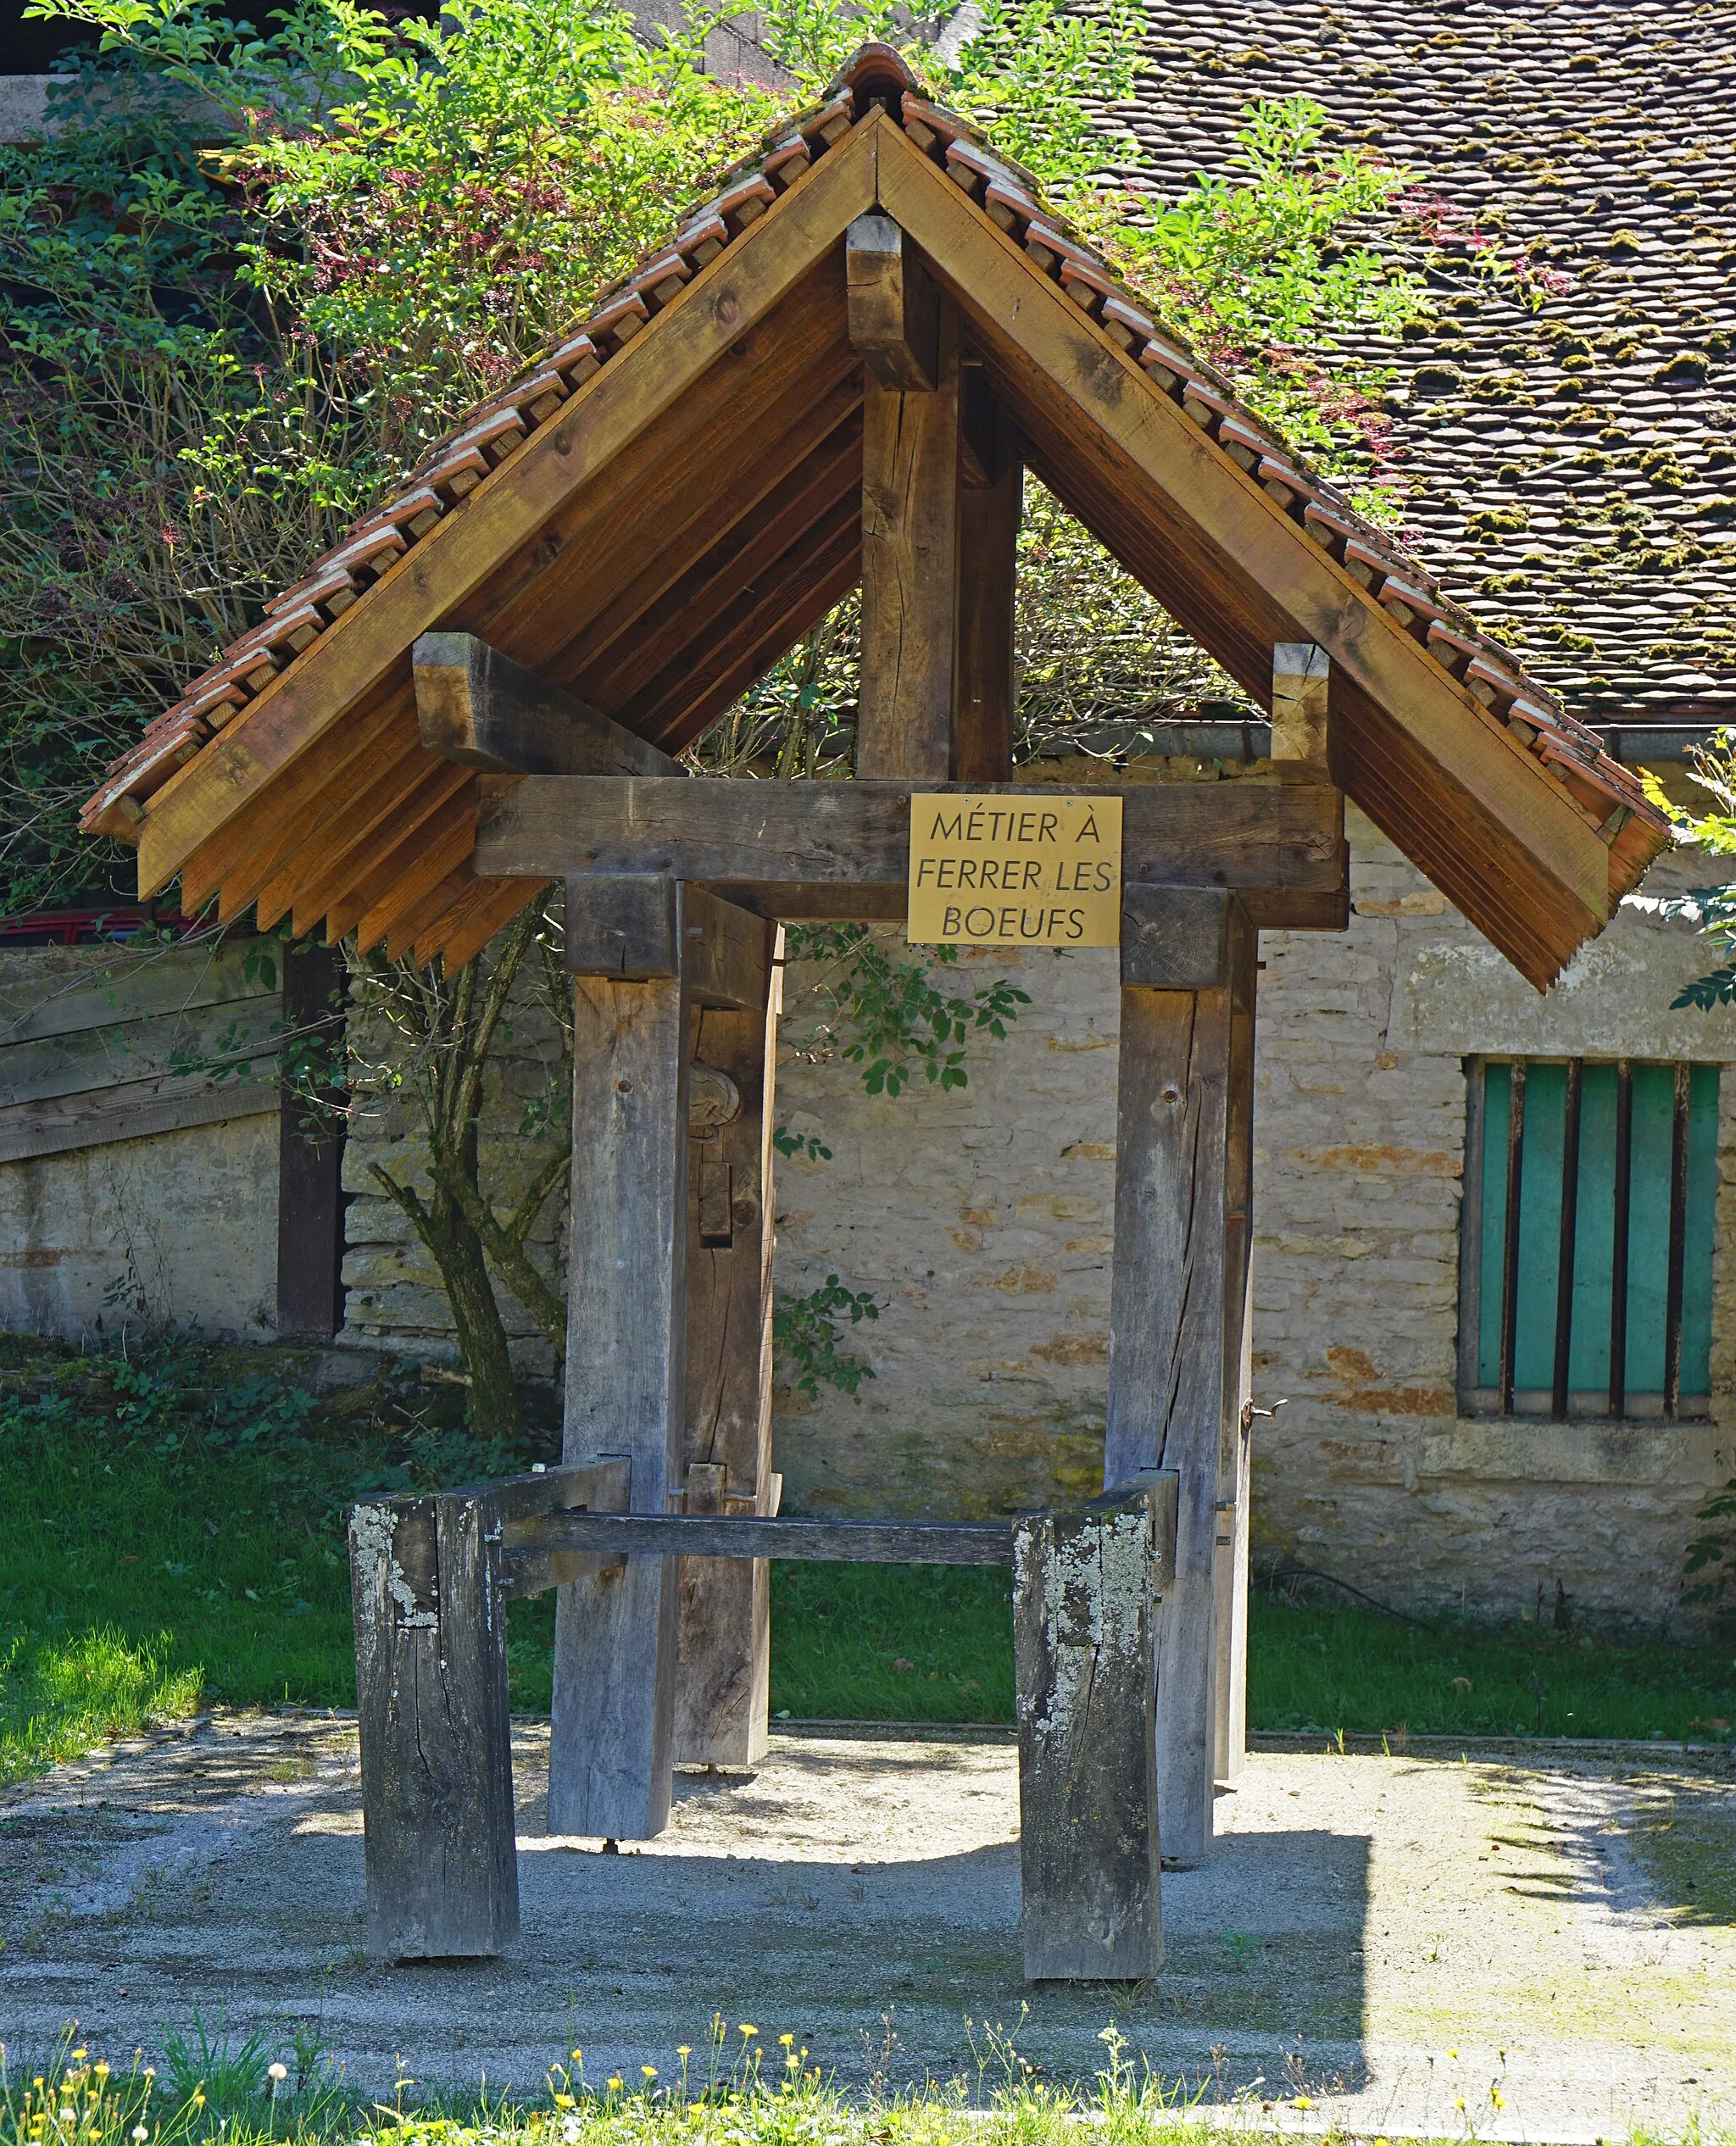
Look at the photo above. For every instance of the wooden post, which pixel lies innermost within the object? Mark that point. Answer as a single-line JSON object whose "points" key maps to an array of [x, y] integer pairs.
{"points": [[1178, 1296], [989, 513], [1088, 1840], [310, 1200], [1301, 681], [725, 1647], [909, 571], [1231, 1543], [610, 1747], [436, 1738]]}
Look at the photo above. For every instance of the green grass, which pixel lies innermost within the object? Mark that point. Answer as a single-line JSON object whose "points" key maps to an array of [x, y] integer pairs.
{"points": [[171, 1537], [280, 2089]]}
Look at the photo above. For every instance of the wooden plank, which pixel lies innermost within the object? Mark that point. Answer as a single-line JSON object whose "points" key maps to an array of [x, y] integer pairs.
{"points": [[721, 494], [445, 846], [909, 573], [724, 1649], [803, 599], [134, 1110], [134, 985], [1301, 683], [330, 869], [436, 1737], [894, 314], [689, 614], [777, 834], [598, 1485], [617, 403], [280, 820], [1083, 1660], [989, 515], [479, 707], [1170, 1341], [610, 1749], [1082, 370], [332, 837], [493, 906], [742, 624], [129, 1052], [651, 1538], [310, 1200], [422, 825]]}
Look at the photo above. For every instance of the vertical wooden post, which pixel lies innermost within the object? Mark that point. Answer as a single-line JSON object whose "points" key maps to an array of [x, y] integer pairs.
{"points": [[310, 1201], [909, 571], [725, 1647], [1235, 1478], [1090, 1866], [989, 512], [610, 1747], [436, 1737], [1177, 1294]]}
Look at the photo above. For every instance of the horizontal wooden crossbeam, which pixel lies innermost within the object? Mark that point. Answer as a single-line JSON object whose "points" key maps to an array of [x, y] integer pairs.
{"points": [[478, 707], [790, 849], [754, 1536]]}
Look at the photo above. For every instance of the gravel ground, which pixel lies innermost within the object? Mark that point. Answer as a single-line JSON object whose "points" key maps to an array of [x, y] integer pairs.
{"points": [[1510, 1942]]}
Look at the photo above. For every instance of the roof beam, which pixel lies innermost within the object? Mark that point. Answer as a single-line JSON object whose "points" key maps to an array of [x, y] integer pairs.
{"points": [[893, 312], [478, 707], [1279, 838]]}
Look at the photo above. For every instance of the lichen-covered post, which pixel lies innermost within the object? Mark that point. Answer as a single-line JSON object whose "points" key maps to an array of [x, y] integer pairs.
{"points": [[1083, 1587], [436, 1736]]}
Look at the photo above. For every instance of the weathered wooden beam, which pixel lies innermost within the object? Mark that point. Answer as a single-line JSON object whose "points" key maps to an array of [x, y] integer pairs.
{"points": [[1178, 938], [1231, 1540], [989, 514], [1301, 683], [610, 1749], [643, 927], [894, 312], [909, 573], [1286, 838], [478, 707], [1177, 1294], [430, 1611], [1084, 1614], [649, 1537], [724, 1651], [598, 1486], [311, 1157]]}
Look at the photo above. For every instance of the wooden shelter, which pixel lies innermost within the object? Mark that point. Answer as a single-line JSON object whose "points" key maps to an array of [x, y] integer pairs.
{"points": [[836, 372]]}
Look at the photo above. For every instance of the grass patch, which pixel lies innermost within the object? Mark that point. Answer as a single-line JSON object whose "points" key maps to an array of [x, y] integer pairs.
{"points": [[171, 1535], [283, 2088]]}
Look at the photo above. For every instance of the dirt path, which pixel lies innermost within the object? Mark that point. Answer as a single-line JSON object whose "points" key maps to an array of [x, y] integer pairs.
{"points": [[1536, 1951]]}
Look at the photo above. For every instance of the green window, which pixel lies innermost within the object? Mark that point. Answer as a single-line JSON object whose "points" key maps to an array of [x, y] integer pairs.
{"points": [[1586, 1267]]}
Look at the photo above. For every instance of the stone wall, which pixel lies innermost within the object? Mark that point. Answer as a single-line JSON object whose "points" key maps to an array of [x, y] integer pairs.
{"points": [[981, 1222], [176, 1229]]}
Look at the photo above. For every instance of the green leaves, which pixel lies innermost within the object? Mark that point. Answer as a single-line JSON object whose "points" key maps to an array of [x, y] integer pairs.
{"points": [[806, 1334], [887, 1016]]}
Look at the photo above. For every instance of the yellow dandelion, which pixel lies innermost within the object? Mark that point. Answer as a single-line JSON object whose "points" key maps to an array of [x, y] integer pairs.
{"points": [[578, 2056], [615, 2083], [650, 2070], [682, 2049], [744, 2030]]}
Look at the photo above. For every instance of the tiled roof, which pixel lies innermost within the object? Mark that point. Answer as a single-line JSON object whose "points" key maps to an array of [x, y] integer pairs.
{"points": [[1574, 468], [876, 77]]}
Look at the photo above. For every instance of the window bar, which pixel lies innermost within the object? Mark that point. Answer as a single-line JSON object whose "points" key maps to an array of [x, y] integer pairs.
{"points": [[1570, 1219], [1618, 1260], [1678, 1240], [1510, 1264]]}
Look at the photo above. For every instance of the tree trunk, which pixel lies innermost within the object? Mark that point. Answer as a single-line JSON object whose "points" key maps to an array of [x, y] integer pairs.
{"points": [[481, 1336]]}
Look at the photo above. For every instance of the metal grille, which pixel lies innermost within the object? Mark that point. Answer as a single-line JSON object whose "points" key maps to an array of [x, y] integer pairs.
{"points": [[1586, 1263]]}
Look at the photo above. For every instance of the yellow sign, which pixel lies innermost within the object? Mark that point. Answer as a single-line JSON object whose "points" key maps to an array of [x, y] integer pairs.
{"points": [[1013, 871]]}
